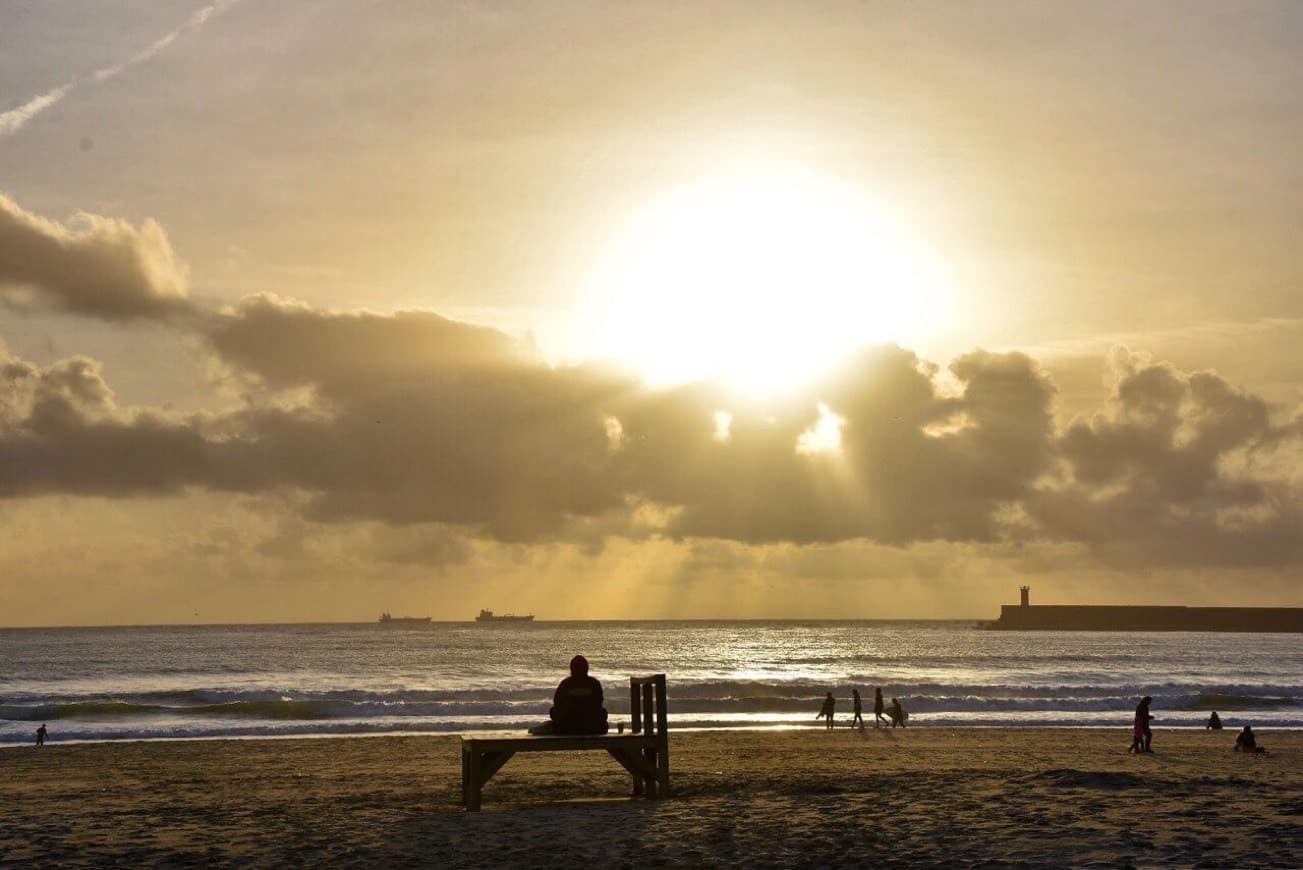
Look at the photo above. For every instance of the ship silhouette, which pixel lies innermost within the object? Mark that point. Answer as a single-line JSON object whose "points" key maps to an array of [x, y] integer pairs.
{"points": [[386, 619], [490, 616]]}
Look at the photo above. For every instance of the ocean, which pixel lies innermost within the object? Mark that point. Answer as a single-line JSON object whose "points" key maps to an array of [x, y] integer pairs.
{"points": [[308, 680]]}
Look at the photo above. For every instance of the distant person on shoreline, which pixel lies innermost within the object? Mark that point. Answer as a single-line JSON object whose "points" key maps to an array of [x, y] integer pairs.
{"points": [[897, 714], [577, 705], [1245, 741], [878, 707], [826, 711], [40, 735], [858, 707], [1214, 722], [1141, 735]]}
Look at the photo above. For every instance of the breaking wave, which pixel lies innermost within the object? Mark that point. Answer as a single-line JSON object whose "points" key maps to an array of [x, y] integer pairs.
{"points": [[721, 704]]}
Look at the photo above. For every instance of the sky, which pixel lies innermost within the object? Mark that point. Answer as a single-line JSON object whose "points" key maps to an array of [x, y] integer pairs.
{"points": [[664, 310]]}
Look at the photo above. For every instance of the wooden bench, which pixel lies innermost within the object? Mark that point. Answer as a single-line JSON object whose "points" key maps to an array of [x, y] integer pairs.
{"points": [[644, 752]]}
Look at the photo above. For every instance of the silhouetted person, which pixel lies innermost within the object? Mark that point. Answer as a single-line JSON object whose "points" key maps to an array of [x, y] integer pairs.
{"points": [[1141, 735], [858, 707], [826, 711], [1246, 742], [878, 707], [897, 714], [40, 735], [1214, 722], [577, 705]]}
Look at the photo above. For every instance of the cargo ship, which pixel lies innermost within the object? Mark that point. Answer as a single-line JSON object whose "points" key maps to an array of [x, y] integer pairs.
{"points": [[1026, 616], [386, 619], [490, 616]]}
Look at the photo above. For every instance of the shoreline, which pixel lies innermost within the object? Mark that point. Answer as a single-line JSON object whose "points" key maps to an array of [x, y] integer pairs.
{"points": [[520, 732], [1022, 797]]}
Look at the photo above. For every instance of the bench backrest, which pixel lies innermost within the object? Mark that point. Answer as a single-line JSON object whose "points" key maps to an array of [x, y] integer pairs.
{"points": [[647, 704]]}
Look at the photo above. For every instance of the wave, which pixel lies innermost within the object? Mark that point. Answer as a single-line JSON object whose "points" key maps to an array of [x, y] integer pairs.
{"points": [[265, 709], [701, 699], [1225, 701], [809, 689]]}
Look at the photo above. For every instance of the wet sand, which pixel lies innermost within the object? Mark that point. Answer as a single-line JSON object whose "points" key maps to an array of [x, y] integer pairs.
{"points": [[792, 799]]}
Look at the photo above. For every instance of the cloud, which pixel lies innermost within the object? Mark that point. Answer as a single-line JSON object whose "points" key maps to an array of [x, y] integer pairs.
{"points": [[61, 431], [100, 267], [1179, 468], [900, 475], [419, 419], [415, 421], [287, 344]]}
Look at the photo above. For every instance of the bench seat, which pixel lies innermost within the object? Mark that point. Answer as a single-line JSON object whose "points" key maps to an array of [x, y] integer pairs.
{"points": [[644, 752]]}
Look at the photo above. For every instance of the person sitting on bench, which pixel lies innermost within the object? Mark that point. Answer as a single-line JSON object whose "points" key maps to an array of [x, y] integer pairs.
{"points": [[577, 706]]}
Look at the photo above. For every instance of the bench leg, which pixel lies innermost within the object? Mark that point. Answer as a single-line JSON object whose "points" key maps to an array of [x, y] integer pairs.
{"points": [[644, 775], [472, 782], [663, 769], [653, 781], [477, 768], [465, 776]]}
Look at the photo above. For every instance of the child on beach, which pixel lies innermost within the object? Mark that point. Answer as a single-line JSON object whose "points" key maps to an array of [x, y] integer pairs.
{"points": [[826, 711], [1245, 741]]}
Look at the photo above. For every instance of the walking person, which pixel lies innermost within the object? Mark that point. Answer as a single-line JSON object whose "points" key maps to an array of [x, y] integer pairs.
{"points": [[858, 707], [826, 711], [40, 735], [1141, 735], [878, 719], [897, 714]]}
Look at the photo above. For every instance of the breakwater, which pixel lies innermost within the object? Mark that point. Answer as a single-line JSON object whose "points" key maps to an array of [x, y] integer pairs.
{"points": [[1067, 617]]}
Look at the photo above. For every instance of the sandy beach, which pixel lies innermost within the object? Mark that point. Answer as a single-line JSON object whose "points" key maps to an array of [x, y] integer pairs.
{"points": [[921, 796]]}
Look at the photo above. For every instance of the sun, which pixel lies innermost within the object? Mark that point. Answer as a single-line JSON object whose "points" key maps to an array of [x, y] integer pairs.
{"points": [[761, 278]]}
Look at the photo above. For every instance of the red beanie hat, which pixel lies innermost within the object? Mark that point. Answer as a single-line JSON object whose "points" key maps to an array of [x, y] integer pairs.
{"points": [[579, 666]]}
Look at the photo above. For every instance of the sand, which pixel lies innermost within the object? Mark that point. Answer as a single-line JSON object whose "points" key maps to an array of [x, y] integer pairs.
{"points": [[806, 798]]}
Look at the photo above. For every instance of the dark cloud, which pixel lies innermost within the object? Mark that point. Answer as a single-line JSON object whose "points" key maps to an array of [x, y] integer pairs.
{"points": [[100, 267], [1178, 469], [62, 432], [914, 464], [514, 453], [421, 422], [287, 344]]}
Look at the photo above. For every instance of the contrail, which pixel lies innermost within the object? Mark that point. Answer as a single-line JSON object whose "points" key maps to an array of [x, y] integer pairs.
{"points": [[14, 120]]}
